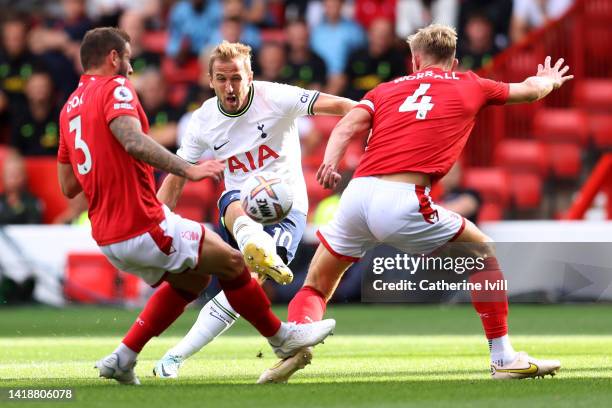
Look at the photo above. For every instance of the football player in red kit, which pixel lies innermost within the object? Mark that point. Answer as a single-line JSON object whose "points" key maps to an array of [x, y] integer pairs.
{"points": [[420, 124], [106, 153]]}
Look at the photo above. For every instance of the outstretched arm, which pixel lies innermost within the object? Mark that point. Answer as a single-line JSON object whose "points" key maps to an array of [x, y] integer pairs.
{"points": [[544, 82], [357, 123], [128, 131], [327, 104]]}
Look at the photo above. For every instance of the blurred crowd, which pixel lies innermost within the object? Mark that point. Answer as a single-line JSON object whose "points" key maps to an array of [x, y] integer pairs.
{"points": [[341, 47]]}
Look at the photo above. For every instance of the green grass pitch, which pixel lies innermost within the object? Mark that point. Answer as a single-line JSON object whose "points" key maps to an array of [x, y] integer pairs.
{"points": [[381, 356]]}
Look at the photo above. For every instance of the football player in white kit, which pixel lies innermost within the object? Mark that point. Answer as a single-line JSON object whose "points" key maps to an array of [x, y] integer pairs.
{"points": [[251, 127]]}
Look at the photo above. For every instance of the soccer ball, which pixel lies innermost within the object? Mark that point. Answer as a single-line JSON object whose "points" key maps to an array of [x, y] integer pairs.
{"points": [[266, 198]]}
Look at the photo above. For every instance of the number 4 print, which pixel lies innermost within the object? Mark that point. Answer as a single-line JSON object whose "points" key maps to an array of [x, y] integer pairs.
{"points": [[422, 107]]}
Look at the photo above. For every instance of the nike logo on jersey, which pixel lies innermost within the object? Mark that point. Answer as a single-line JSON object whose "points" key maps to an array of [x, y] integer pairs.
{"points": [[220, 146]]}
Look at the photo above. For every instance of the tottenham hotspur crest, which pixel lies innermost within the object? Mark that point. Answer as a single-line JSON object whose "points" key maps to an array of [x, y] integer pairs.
{"points": [[260, 127]]}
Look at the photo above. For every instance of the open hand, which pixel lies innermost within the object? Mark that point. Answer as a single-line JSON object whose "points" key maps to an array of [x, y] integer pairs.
{"points": [[555, 73], [209, 168]]}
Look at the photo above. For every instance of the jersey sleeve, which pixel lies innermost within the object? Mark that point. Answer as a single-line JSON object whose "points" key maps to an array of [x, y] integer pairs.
{"points": [[293, 100], [495, 93], [63, 154], [368, 102], [192, 144], [119, 99]]}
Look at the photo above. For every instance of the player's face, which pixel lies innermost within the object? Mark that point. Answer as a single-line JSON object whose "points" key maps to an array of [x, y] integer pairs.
{"points": [[124, 67], [231, 81]]}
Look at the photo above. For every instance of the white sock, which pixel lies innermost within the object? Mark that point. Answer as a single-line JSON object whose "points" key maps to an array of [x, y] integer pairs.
{"points": [[244, 230], [126, 355], [501, 350], [280, 336], [215, 317]]}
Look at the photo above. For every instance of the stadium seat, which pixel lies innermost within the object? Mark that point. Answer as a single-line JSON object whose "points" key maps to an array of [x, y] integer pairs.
{"points": [[90, 278], [273, 35], [522, 155], [175, 74], [594, 95], [561, 125], [4, 151], [325, 124], [315, 191], [155, 41], [526, 190], [43, 183], [565, 160], [490, 212], [601, 131], [492, 184], [197, 200]]}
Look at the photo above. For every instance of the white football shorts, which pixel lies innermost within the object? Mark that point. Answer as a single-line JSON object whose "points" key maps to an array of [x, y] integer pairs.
{"points": [[173, 246], [374, 211]]}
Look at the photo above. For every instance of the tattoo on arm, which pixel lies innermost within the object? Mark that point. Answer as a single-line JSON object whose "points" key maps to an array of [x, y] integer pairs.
{"points": [[128, 131]]}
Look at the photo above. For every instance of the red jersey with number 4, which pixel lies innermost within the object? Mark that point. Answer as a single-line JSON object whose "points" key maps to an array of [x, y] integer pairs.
{"points": [[119, 188], [421, 122]]}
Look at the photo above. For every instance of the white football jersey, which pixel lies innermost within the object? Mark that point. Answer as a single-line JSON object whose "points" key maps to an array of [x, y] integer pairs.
{"points": [[261, 137]]}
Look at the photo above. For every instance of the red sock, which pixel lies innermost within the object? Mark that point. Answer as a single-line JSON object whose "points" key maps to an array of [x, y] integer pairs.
{"points": [[248, 299], [161, 310], [308, 305], [491, 305]]}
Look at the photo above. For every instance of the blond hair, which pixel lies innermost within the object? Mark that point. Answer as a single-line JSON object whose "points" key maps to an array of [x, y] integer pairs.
{"points": [[437, 41], [227, 51]]}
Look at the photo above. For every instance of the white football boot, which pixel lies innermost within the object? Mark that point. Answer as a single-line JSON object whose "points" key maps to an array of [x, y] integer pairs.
{"points": [[110, 368], [524, 366], [303, 335], [265, 261], [168, 366], [281, 371]]}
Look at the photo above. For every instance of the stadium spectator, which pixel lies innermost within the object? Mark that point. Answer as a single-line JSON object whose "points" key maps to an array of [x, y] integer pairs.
{"points": [[17, 204], [463, 201], [270, 62], [153, 92], [304, 68], [235, 27], [477, 47], [366, 11], [34, 124], [133, 23], [378, 62], [109, 12], [190, 24], [251, 11], [334, 39], [16, 61], [198, 92], [414, 14], [497, 11], [529, 14], [57, 40]]}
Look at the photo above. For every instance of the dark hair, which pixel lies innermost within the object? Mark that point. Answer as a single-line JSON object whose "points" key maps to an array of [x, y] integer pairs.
{"points": [[98, 42]]}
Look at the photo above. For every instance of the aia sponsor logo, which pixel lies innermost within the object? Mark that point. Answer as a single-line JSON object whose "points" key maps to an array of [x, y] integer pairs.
{"points": [[190, 235], [251, 161]]}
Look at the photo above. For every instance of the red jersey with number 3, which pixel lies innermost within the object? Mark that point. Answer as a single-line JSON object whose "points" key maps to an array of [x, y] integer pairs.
{"points": [[421, 122], [119, 188]]}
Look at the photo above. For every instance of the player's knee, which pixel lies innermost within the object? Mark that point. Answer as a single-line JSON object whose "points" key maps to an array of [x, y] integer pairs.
{"points": [[234, 265]]}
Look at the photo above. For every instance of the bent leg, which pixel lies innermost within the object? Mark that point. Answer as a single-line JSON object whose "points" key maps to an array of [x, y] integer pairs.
{"points": [[491, 305], [324, 274]]}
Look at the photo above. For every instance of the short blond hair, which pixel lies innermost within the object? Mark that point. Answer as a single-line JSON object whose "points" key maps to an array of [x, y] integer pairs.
{"points": [[437, 41], [227, 51]]}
